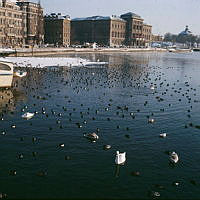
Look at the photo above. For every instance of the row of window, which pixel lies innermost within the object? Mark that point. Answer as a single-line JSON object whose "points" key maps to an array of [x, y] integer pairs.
{"points": [[66, 41], [146, 30], [15, 32], [118, 34], [117, 42], [138, 22], [148, 37], [10, 22], [135, 27], [119, 26]]}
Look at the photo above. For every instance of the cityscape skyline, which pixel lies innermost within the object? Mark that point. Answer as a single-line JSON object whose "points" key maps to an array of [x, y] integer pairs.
{"points": [[164, 15]]}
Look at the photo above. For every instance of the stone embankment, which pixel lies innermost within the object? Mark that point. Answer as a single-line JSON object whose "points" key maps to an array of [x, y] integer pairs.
{"points": [[57, 51], [61, 51]]}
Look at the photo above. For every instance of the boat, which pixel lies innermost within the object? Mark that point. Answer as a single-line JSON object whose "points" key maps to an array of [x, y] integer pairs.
{"points": [[171, 50], [6, 73]]}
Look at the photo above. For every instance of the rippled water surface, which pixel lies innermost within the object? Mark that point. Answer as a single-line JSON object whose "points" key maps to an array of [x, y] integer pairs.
{"points": [[116, 102]]}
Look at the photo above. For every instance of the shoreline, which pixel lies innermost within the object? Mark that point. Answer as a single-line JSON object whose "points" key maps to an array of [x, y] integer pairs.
{"points": [[34, 52]]}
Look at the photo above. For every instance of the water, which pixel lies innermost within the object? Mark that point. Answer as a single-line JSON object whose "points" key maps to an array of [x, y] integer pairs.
{"points": [[115, 102]]}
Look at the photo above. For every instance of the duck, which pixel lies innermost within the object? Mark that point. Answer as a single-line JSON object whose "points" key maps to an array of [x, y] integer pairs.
{"points": [[120, 158], [163, 135], [151, 120], [28, 115], [91, 136], [174, 157]]}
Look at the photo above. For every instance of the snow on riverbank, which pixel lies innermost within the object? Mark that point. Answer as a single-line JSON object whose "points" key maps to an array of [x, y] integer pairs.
{"points": [[41, 62]]}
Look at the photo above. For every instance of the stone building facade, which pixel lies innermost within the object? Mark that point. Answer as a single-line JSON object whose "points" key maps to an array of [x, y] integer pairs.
{"points": [[138, 33], [134, 24], [147, 34], [157, 38], [11, 34], [105, 31], [57, 29], [21, 23], [33, 22], [129, 29]]}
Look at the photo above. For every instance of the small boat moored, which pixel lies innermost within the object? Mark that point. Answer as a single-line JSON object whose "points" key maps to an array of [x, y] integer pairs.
{"points": [[6, 73]]}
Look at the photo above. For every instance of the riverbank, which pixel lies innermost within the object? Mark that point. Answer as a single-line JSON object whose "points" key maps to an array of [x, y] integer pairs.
{"points": [[59, 51], [56, 51]]}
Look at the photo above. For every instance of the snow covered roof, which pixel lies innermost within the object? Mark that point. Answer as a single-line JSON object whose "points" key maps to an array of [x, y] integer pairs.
{"points": [[130, 14], [57, 16], [95, 18]]}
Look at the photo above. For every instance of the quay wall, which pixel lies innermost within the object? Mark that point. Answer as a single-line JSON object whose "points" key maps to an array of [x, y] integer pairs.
{"points": [[57, 51], [62, 51]]}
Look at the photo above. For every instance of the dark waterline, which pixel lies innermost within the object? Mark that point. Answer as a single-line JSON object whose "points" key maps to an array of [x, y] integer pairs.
{"points": [[115, 102]]}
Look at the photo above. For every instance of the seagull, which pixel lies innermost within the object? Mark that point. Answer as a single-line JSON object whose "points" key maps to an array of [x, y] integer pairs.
{"points": [[174, 157], [120, 158], [28, 115]]}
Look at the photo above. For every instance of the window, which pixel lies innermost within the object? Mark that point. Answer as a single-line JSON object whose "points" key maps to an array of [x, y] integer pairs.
{"points": [[4, 67]]}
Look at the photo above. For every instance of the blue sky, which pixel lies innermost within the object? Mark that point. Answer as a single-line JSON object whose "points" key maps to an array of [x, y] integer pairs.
{"points": [[164, 15]]}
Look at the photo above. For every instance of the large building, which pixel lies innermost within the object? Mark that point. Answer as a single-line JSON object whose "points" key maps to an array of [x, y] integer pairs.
{"points": [[57, 29], [10, 24], [21, 23], [33, 22], [138, 33], [146, 35], [109, 31], [157, 38], [129, 29]]}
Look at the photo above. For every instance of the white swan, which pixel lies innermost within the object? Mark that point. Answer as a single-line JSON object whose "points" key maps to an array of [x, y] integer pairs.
{"points": [[28, 115], [152, 87], [174, 157], [20, 74], [120, 158]]}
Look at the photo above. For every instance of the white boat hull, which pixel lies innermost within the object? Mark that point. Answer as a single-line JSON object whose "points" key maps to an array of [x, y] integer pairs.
{"points": [[6, 80]]}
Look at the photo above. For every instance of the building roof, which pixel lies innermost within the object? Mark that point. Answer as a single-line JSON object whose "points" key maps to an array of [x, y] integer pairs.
{"points": [[55, 16], [95, 18], [147, 24], [130, 14]]}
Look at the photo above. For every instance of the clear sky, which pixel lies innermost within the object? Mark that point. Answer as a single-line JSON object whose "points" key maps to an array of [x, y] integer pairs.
{"points": [[164, 15]]}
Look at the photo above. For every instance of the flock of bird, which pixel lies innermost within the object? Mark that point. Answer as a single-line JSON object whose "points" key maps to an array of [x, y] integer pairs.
{"points": [[148, 78]]}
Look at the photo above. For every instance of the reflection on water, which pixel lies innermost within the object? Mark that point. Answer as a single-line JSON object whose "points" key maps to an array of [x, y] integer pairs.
{"points": [[9, 99], [6, 80], [48, 157]]}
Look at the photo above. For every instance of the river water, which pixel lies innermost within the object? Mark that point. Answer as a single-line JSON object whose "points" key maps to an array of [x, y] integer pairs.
{"points": [[116, 102]]}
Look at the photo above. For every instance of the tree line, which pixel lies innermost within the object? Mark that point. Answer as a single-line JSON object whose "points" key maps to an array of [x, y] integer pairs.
{"points": [[192, 39]]}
